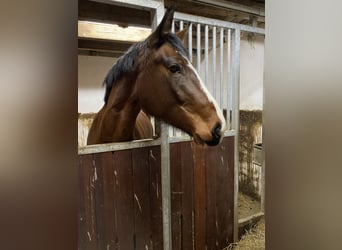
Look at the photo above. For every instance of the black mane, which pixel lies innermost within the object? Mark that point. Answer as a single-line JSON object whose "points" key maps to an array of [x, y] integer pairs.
{"points": [[125, 64]]}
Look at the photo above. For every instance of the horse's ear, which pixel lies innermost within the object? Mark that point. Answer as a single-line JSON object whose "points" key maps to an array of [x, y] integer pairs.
{"points": [[163, 28], [182, 34]]}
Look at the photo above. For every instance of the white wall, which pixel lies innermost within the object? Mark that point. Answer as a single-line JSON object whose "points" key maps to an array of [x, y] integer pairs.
{"points": [[91, 72], [251, 73]]}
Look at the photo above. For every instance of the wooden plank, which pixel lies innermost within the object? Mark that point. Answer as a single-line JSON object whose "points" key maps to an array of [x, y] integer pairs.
{"points": [[176, 195], [112, 32], [98, 185], [199, 197], [141, 188], [82, 231], [156, 201], [213, 160], [123, 191], [87, 216], [105, 201], [188, 196], [109, 13], [230, 158], [103, 45], [225, 193]]}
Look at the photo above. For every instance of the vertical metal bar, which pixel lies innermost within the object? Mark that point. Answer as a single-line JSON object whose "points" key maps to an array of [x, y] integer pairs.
{"points": [[206, 59], [190, 41], [262, 177], [173, 26], [236, 76], [181, 25], [214, 62], [229, 78], [235, 116], [166, 186], [165, 164], [198, 66], [221, 67]]}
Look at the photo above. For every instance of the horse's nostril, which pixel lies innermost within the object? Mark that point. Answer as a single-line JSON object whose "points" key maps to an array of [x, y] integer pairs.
{"points": [[216, 132]]}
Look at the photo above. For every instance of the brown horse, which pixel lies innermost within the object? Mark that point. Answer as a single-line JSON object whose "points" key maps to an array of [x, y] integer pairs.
{"points": [[155, 77]]}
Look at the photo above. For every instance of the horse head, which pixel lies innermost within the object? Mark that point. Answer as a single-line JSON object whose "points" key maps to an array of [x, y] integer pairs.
{"points": [[168, 87]]}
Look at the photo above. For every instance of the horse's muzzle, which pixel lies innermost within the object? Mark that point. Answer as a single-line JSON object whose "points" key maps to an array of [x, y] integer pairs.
{"points": [[216, 134]]}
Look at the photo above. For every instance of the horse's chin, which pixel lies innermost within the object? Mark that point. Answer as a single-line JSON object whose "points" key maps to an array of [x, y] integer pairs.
{"points": [[198, 140]]}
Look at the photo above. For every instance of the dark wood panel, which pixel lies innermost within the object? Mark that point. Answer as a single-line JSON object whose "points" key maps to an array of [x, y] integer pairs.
{"points": [[156, 199], [105, 200], [187, 196], [213, 163], [99, 201], [109, 13], [82, 233], [141, 187], [225, 194], [176, 196], [123, 191], [199, 197], [121, 203], [87, 215]]}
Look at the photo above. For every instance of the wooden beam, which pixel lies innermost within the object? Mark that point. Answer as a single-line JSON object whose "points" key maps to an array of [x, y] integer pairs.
{"points": [[215, 12], [111, 32], [88, 52], [103, 45], [110, 13]]}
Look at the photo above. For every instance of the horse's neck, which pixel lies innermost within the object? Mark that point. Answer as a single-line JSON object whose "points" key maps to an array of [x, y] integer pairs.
{"points": [[120, 112]]}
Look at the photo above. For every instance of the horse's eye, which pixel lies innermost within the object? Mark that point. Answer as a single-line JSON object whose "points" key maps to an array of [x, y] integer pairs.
{"points": [[175, 68]]}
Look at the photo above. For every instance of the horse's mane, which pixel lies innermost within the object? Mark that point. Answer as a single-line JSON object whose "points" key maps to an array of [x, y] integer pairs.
{"points": [[125, 64]]}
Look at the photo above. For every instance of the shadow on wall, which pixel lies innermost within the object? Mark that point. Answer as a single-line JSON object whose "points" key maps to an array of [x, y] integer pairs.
{"points": [[250, 134], [84, 123]]}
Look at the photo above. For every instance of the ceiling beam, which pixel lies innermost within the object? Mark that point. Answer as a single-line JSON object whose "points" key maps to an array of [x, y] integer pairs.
{"points": [[112, 32], [258, 11], [109, 13]]}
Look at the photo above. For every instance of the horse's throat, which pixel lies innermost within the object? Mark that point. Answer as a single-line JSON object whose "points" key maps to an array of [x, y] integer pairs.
{"points": [[121, 112]]}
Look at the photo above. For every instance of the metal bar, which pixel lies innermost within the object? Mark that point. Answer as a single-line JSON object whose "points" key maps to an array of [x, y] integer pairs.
{"points": [[173, 26], [181, 25], [206, 51], [166, 186], [219, 23], [229, 78], [180, 139], [230, 133], [190, 41], [214, 62], [198, 66], [116, 146], [221, 67], [235, 116], [184, 138], [165, 168]]}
